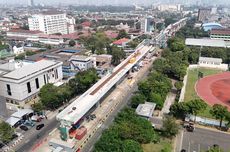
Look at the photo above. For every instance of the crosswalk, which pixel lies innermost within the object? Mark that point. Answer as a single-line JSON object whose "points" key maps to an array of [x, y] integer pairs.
{"points": [[10, 147]]}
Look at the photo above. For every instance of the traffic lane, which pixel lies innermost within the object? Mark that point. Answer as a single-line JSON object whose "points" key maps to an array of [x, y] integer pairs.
{"points": [[31, 139], [203, 139]]}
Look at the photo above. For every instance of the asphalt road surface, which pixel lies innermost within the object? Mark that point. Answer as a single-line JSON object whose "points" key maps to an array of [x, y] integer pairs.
{"points": [[31, 137], [203, 139]]}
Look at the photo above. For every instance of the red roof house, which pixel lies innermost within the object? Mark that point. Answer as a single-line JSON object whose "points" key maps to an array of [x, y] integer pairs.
{"points": [[121, 42]]}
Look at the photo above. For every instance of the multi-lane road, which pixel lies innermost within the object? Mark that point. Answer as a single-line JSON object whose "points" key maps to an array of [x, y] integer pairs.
{"points": [[33, 136], [202, 139]]}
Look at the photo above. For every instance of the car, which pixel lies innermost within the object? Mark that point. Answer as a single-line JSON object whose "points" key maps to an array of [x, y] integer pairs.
{"points": [[93, 116], [24, 128], [190, 128], [29, 123], [40, 126]]}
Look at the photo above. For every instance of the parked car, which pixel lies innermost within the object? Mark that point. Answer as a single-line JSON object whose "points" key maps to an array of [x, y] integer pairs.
{"points": [[40, 126], [93, 116], [29, 123], [24, 128]]}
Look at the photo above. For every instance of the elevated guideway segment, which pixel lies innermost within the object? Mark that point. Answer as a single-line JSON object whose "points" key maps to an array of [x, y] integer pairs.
{"points": [[77, 109]]}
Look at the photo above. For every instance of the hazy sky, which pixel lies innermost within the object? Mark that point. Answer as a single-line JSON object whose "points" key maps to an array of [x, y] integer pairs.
{"points": [[99, 2], [106, 2]]}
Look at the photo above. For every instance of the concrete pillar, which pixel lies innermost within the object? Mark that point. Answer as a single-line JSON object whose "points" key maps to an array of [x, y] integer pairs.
{"points": [[3, 109]]}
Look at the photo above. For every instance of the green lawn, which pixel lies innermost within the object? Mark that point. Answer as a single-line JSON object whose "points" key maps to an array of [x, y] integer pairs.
{"points": [[165, 144], [190, 92]]}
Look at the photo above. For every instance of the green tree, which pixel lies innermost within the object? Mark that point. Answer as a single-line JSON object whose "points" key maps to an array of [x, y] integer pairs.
{"points": [[137, 99], [196, 106], [179, 110], [160, 26], [83, 80], [133, 44], [72, 43], [169, 20], [117, 55], [156, 98], [20, 56], [49, 96], [179, 85], [131, 146], [219, 112], [170, 127], [97, 43], [122, 34], [227, 117], [64, 93], [6, 132], [136, 128], [177, 45], [30, 53], [215, 148], [109, 141], [38, 107], [49, 47], [144, 87]]}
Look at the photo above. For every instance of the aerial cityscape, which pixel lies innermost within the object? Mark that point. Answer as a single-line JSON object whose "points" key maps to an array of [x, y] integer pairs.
{"points": [[114, 76]]}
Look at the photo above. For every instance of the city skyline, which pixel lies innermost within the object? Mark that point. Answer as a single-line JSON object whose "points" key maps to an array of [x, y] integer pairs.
{"points": [[112, 2]]}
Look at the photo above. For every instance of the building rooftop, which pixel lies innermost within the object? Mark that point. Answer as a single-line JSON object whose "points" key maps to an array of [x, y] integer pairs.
{"points": [[28, 70], [52, 12], [208, 59], [13, 65], [80, 58], [146, 110], [12, 121], [120, 41], [24, 31], [49, 36], [20, 113], [220, 31], [206, 42]]}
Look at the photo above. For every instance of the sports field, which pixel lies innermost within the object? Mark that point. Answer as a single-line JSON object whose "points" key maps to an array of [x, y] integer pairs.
{"points": [[190, 92], [215, 89]]}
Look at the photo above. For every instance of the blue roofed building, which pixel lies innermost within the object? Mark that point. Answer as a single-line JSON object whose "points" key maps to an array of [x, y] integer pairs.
{"points": [[210, 26]]}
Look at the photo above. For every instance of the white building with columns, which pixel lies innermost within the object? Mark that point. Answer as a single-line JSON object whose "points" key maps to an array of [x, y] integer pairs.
{"points": [[21, 81]]}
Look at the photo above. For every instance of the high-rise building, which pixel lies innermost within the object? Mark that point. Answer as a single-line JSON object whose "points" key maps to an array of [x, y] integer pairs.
{"points": [[50, 22], [147, 24], [31, 3], [204, 14], [170, 7]]}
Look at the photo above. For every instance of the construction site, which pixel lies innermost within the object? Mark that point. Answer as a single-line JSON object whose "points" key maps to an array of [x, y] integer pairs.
{"points": [[81, 119]]}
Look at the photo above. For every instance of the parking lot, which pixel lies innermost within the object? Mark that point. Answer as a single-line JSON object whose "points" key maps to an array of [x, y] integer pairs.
{"points": [[203, 139]]}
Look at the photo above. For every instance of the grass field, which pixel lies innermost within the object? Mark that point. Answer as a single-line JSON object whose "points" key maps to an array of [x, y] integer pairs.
{"points": [[165, 144], [190, 92]]}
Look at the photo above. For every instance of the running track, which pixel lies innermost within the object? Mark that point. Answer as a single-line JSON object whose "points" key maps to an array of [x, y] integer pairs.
{"points": [[215, 89]]}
